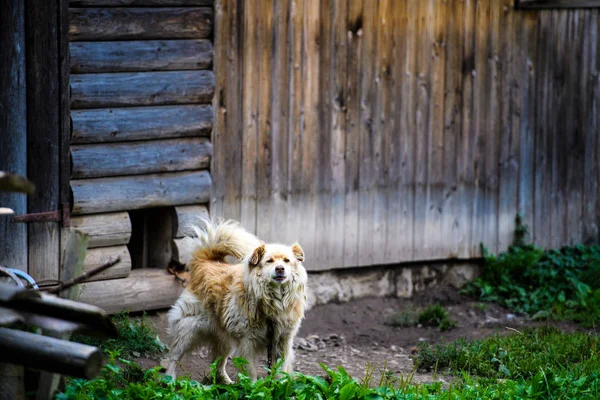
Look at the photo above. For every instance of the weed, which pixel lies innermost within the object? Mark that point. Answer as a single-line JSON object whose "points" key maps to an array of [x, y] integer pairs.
{"points": [[137, 337], [563, 283], [405, 318], [435, 315]]}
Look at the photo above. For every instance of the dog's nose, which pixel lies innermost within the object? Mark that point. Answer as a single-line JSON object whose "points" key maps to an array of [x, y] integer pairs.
{"points": [[279, 269]]}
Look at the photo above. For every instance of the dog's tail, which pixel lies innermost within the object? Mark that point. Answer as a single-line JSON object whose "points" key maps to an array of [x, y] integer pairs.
{"points": [[216, 239]]}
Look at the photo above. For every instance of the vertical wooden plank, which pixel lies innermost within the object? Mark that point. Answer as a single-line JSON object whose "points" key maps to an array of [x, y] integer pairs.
{"points": [[263, 98], [510, 117], [422, 203], [591, 175], [541, 226], [436, 185], [466, 173], [312, 132], [64, 63], [280, 115], [527, 128], [250, 110], [324, 137], [13, 130], [366, 240], [339, 108], [296, 121], [43, 134], [381, 131], [399, 234], [408, 137], [451, 224], [352, 152], [492, 126]]}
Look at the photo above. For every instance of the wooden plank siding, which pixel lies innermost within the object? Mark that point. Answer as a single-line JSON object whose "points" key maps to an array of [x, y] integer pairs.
{"points": [[408, 130], [142, 86]]}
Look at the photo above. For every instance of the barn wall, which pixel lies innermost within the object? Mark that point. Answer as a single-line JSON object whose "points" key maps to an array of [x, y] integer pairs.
{"points": [[141, 88], [377, 132]]}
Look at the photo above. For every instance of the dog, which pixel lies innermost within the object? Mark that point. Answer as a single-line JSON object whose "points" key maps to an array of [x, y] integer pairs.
{"points": [[247, 309]]}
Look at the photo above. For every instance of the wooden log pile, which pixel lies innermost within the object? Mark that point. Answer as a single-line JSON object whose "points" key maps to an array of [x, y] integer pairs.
{"points": [[141, 85]]}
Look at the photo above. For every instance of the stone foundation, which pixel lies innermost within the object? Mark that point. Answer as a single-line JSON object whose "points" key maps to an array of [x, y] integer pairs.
{"points": [[400, 281]]}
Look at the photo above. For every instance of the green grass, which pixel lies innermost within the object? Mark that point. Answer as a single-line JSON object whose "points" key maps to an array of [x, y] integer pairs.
{"points": [[560, 283], [434, 315], [137, 337], [535, 364]]}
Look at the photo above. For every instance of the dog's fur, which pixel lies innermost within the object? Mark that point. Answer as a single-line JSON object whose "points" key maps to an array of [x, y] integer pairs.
{"points": [[228, 307]]}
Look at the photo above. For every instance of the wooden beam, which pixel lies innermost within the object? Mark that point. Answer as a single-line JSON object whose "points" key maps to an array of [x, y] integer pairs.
{"points": [[13, 128], [96, 257], [136, 158], [141, 89], [140, 23], [186, 216], [540, 4], [43, 134], [140, 123], [144, 289], [144, 3], [104, 230], [91, 196], [49, 354], [136, 56]]}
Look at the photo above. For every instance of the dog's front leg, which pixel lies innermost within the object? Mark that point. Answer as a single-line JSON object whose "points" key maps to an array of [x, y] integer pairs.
{"points": [[287, 346], [249, 353]]}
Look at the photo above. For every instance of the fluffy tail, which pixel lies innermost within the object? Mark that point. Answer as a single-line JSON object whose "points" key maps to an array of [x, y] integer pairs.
{"points": [[215, 240]]}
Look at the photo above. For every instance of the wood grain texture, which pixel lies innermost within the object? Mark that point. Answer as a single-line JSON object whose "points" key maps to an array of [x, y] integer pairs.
{"points": [[13, 128], [144, 289], [43, 135], [136, 158], [92, 196], [144, 3], [96, 257], [185, 217], [416, 130], [141, 89], [87, 24], [136, 56], [110, 229], [140, 123], [540, 4]]}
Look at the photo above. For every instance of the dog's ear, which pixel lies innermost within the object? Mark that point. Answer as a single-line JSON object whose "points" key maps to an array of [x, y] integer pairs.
{"points": [[298, 252], [257, 255]]}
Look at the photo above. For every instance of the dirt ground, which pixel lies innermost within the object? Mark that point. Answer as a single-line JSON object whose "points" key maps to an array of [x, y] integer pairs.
{"points": [[359, 333]]}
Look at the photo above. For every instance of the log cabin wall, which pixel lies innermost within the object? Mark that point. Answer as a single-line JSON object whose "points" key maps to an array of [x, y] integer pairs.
{"points": [[141, 85], [387, 131]]}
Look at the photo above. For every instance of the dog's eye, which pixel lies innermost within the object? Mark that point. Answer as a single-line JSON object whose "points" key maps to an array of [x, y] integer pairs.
{"points": [[286, 260], [269, 261]]}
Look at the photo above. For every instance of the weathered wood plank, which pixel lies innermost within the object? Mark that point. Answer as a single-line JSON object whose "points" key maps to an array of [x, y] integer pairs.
{"points": [[96, 257], [250, 114], [136, 158], [140, 123], [142, 23], [92, 196], [110, 229], [145, 3], [135, 56], [181, 250], [144, 289], [540, 4], [264, 153], [141, 89], [353, 122], [43, 135], [186, 216], [13, 131]]}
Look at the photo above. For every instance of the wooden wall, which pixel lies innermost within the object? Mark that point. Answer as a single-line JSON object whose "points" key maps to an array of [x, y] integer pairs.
{"points": [[141, 85], [377, 132]]}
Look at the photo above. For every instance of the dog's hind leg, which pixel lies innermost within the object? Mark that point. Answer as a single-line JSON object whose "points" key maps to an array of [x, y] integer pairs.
{"points": [[221, 351]]}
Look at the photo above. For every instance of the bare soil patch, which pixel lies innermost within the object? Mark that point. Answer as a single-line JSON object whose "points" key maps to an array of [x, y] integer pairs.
{"points": [[360, 333]]}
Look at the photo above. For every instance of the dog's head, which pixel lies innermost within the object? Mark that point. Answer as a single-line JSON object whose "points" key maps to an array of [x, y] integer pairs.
{"points": [[277, 264]]}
